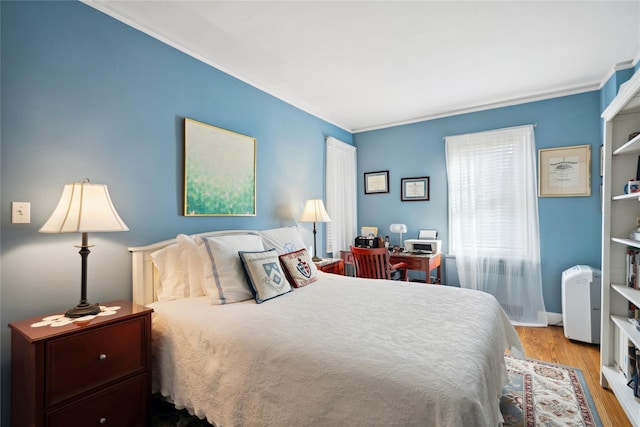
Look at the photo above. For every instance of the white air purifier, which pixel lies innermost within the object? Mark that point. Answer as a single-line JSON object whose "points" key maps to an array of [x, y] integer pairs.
{"points": [[581, 303]]}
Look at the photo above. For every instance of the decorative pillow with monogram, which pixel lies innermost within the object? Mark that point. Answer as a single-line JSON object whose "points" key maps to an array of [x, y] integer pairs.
{"points": [[264, 274], [299, 268]]}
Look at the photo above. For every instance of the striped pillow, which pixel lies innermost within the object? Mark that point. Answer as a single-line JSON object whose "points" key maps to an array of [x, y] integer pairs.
{"points": [[224, 280]]}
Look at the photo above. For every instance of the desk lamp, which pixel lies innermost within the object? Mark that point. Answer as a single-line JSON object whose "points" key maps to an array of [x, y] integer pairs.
{"points": [[314, 211], [84, 207], [398, 228]]}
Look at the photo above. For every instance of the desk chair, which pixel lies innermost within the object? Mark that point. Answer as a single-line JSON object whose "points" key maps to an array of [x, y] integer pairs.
{"points": [[374, 264]]}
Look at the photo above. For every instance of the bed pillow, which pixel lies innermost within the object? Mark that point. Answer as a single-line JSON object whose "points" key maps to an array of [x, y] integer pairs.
{"points": [[299, 268], [224, 279], [191, 247], [264, 275], [283, 240], [172, 273]]}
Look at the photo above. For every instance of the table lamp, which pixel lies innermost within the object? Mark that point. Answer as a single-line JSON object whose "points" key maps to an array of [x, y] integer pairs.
{"points": [[398, 228], [84, 207], [314, 212]]}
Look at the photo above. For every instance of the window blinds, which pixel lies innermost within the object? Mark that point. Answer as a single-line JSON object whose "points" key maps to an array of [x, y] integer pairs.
{"points": [[491, 184]]}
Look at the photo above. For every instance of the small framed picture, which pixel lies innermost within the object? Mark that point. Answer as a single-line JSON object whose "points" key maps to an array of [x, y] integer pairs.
{"points": [[602, 161], [415, 189], [564, 171], [376, 182]]}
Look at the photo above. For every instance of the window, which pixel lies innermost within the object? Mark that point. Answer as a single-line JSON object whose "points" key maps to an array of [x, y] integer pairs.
{"points": [[489, 192], [342, 195], [493, 218]]}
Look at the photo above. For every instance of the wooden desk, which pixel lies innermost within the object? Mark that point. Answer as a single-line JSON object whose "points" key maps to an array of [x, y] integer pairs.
{"points": [[331, 265], [426, 263]]}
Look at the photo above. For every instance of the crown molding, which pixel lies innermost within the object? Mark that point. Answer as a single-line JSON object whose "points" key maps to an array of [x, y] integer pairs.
{"points": [[105, 8], [619, 67], [508, 102]]}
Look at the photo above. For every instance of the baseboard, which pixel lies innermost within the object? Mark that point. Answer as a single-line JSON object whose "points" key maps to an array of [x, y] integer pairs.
{"points": [[554, 319]]}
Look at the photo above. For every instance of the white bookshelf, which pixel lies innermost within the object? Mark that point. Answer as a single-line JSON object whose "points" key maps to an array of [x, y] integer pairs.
{"points": [[619, 214], [626, 242]]}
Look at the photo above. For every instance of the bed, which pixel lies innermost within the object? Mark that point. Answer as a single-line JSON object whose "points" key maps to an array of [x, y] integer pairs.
{"points": [[336, 351]]}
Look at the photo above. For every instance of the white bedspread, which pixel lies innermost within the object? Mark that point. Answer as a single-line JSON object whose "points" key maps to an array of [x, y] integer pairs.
{"points": [[340, 351]]}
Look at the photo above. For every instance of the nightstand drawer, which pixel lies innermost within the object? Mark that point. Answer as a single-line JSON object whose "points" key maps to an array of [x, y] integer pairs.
{"points": [[84, 361], [124, 405]]}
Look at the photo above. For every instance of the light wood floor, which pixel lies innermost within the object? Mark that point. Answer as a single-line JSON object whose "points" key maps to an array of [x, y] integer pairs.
{"points": [[549, 344]]}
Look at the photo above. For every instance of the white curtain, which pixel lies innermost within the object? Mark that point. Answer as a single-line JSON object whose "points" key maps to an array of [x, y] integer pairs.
{"points": [[341, 196], [493, 218]]}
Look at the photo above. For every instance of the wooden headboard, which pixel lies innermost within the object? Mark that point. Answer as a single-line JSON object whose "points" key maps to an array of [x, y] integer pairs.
{"points": [[145, 275]]}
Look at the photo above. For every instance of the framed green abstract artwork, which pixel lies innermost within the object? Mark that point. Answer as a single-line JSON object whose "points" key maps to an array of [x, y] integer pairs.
{"points": [[219, 171]]}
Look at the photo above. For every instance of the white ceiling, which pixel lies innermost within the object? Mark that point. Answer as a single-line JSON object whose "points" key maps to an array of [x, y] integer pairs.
{"points": [[370, 64]]}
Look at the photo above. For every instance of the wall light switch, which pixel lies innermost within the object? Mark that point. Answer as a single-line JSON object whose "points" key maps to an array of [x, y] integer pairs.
{"points": [[20, 213]]}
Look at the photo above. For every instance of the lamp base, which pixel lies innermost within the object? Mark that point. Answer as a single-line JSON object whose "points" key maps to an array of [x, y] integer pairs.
{"points": [[316, 258], [83, 309]]}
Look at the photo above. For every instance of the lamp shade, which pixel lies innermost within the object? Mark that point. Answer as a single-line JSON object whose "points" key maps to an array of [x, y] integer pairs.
{"points": [[398, 228], [83, 208], [314, 211]]}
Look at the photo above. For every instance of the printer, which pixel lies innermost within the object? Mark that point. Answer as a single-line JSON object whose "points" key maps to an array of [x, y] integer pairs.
{"points": [[420, 246], [426, 243]]}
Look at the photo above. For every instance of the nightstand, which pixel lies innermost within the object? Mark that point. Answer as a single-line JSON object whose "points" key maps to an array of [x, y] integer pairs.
{"points": [[331, 265], [98, 373]]}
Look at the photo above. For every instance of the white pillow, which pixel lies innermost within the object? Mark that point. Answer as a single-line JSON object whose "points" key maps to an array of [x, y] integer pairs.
{"points": [[264, 274], [224, 280], [283, 240], [170, 264], [190, 247]]}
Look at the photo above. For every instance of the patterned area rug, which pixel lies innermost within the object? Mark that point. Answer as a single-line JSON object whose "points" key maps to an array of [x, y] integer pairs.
{"points": [[539, 394], [546, 394]]}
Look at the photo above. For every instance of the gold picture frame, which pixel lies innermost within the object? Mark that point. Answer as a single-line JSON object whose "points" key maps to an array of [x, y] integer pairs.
{"points": [[564, 171], [219, 171]]}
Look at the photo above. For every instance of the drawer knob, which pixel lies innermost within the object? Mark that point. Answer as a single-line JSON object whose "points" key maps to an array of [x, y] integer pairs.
{"points": [[102, 357], [103, 420]]}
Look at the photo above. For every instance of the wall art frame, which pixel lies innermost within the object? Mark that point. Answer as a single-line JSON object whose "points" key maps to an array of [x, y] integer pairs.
{"points": [[219, 171], [414, 189], [376, 182], [564, 171], [602, 161]]}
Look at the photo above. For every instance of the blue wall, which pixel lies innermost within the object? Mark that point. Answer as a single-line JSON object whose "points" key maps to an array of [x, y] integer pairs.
{"points": [[569, 227], [84, 95]]}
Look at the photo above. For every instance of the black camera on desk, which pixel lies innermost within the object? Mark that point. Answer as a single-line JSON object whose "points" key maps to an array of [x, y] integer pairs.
{"points": [[368, 242]]}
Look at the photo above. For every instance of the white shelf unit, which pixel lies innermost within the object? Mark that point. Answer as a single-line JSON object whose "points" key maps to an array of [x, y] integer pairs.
{"points": [[619, 213]]}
